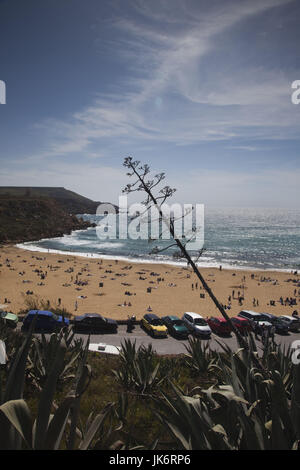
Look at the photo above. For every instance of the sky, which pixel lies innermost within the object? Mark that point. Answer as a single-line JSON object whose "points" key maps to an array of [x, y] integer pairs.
{"points": [[199, 89]]}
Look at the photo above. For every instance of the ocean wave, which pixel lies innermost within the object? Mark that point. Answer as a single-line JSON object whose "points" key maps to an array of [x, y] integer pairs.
{"points": [[227, 266]]}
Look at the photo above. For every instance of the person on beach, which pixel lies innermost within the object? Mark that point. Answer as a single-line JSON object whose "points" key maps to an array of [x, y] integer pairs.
{"points": [[254, 328], [130, 323], [263, 334], [272, 334]]}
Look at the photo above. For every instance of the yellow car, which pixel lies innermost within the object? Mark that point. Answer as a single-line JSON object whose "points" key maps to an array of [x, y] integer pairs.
{"points": [[154, 326]]}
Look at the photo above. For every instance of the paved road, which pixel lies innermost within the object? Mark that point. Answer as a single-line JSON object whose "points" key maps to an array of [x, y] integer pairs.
{"points": [[172, 345]]}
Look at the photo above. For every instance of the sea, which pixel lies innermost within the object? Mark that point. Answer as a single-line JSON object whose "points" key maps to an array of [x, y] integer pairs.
{"points": [[234, 238]]}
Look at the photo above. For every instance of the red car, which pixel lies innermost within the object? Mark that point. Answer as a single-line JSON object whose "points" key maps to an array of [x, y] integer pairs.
{"points": [[242, 324], [219, 326]]}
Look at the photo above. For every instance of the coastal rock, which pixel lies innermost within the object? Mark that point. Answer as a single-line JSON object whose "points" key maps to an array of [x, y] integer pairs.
{"points": [[32, 218]]}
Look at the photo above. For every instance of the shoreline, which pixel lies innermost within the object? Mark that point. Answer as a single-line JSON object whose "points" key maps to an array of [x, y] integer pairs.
{"points": [[129, 288], [33, 248]]}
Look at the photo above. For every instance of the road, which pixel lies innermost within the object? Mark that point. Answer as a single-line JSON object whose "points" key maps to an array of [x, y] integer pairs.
{"points": [[172, 345]]}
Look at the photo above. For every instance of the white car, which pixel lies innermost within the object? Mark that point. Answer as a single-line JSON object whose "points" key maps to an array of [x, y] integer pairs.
{"points": [[196, 324], [293, 323]]}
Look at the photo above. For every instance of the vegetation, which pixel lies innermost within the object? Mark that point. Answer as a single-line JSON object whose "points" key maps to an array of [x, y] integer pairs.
{"points": [[36, 303], [57, 395], [69, 201], [30, 218]]}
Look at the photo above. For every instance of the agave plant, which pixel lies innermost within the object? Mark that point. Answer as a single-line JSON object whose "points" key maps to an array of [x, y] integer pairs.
{"points": [[189, 422], [251, 409], [13, 339], [48, 430], [199, 357], [139, 369], [42, 354]]}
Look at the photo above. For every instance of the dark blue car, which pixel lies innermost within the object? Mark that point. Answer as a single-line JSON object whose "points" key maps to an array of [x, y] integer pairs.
{"points": [[46, 321]]}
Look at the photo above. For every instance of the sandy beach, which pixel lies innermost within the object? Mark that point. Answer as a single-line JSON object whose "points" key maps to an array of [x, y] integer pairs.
{"points": [[117, 288]]}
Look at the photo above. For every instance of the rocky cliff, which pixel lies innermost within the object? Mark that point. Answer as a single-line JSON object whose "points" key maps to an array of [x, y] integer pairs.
{"points": [[32, 218]]}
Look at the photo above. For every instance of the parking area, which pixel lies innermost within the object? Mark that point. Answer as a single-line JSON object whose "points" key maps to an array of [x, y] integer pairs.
{"points": [[171, 345]]}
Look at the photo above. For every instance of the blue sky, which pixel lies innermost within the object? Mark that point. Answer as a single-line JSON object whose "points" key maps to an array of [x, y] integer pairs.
{"points": [[200, 89]]}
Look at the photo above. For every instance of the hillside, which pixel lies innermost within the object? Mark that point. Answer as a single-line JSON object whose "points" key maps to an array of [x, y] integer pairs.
{"points": [[32, 218], [70, 201]]}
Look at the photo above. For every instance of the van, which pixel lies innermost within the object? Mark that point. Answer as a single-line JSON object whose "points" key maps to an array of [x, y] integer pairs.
{"points": [[256, 317]]}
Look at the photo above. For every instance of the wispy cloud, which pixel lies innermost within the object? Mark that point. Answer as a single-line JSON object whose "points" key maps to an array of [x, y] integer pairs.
{"points": [[173, 92]]}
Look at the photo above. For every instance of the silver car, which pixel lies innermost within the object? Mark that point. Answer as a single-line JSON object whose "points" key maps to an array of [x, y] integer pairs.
{"points": [[196, 324]]}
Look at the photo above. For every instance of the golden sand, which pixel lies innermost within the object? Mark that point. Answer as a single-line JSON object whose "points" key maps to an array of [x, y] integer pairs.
{"points": [[168, 290]]}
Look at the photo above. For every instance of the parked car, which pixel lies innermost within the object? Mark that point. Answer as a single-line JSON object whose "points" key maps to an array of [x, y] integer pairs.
{"points": [[176, 326], [219, 325], [293, 323], [242, 324], [46, 321], [94, 323], [154, 325], [197, 324], [255, 319], [280, 325], [10, 319]]}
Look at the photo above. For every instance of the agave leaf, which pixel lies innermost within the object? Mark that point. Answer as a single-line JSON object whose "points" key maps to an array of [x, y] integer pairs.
{"points": [[83, 377], [225, 391], [16, 377], [234, 377], [189, 422], [295, 401], [46, 397], [94, 427], [218, 428], [58, 423], [251, 440], [278, 437], [17, 415], [70, 364], [261, 433], [296, 445], [253, 407], [118, 445], [281, 414], [182, 437]]}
